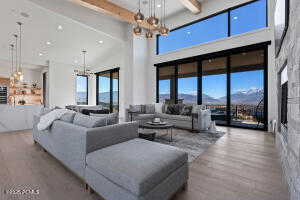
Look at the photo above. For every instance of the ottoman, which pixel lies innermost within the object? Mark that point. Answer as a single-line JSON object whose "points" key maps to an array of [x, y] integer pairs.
{"points": [[137, 170]]}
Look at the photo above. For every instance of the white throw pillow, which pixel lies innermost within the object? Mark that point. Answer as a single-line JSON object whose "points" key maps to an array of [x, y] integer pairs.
{"points": [[158, 107]]}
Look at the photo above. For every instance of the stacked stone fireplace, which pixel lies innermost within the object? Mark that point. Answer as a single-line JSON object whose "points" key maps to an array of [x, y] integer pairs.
{"points": [[288, 137]]}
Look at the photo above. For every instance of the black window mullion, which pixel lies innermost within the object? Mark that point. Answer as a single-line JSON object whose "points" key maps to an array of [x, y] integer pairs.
{"points": [[228, 109], [157, 84], [176, 85], [199, 82], [229, 23], [111, 92]]}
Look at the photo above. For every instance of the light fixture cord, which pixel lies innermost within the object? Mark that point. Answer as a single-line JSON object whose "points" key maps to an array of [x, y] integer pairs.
{"points": [[139, 5], [16, 37], [20, 50], [12, 57]]}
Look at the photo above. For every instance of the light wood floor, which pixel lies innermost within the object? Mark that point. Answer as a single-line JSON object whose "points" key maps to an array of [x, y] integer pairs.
{"points": [[242, 165]]}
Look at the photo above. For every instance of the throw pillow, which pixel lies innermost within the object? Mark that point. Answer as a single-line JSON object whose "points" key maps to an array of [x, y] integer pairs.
{"points": [[89, 121], [149, 109], [68, 117], [173, 109], [158, 107], [111, 118], [136, 108], [187, 110]]}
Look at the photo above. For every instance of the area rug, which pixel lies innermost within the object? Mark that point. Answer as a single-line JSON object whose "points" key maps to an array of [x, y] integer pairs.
{"points": [[193, 143]]}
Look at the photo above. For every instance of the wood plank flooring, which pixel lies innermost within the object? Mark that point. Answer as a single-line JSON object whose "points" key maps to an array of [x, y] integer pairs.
{"points": [[242, 165]]}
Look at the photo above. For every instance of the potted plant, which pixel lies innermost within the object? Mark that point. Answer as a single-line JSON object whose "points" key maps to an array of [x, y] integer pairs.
{"points": [[22, 102]]}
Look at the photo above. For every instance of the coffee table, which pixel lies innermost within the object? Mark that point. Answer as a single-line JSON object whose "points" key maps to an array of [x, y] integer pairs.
{"points": [[165, 126]]}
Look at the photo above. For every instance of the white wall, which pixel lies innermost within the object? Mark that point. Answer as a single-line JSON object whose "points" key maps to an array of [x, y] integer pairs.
{"points": [[62, 85]]}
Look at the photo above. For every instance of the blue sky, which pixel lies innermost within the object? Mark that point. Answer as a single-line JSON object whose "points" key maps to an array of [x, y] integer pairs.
{"points": [[81, 84], [215, 85]]}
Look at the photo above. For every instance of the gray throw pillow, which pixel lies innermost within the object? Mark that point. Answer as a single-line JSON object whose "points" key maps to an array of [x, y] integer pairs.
{"points": [[68, 117], [111, 118], [149, 109], [89, 121], [136, 108], [187, 110]]}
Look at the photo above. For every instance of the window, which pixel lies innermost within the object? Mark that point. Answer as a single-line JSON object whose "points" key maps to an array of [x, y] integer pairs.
{"points": [[248, 18], [82, 90], [234, 21], [214, 87], [167, 84], [210, 29], [232, 84], [188, 83], [108, 90]]}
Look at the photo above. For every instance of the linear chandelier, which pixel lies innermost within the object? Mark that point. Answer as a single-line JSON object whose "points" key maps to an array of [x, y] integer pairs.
{"points": [[85, 72], [152, 20]]}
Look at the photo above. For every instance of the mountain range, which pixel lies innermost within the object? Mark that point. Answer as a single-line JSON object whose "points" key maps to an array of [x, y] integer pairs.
{"points": [[250, 97]]}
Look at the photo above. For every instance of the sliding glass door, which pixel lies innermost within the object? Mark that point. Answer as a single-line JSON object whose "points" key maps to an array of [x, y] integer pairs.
{"points": [[247, 89], [214, 88], [108, 90], [232, 84]]}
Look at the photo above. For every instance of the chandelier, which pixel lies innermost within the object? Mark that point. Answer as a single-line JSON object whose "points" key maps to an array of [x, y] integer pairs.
{"points": [[85, 71], [152, 21]]}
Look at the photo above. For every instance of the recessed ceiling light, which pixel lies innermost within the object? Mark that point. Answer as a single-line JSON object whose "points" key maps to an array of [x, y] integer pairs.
{"points": [[76, 61], [100, 42], [235, 18], [40, 54], [59, 27], [48, 43], [158, 5]]}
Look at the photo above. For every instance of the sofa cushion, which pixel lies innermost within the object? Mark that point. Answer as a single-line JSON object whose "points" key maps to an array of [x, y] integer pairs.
{"points": [[174, 109], [136, 108], [45, 111], [173, 117], [149, 109], [187, 110], [111, 118], [89, 121], [159, 107], [136, 165], [68, 117]]}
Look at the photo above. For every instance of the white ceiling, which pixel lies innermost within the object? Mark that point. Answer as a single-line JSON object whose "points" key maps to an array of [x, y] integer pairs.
{"points": [[41, 27], [172, 6]]}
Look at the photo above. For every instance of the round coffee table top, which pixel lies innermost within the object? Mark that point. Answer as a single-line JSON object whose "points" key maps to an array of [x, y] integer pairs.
{"points": [[156, 126]]}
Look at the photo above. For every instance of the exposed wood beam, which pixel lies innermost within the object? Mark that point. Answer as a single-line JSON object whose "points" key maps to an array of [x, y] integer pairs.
{"points": [[111, 9], [193, 5]]}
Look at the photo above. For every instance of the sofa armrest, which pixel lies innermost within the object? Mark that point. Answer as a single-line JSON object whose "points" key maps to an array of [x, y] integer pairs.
{"points": [[98, 138], [204, 119]]}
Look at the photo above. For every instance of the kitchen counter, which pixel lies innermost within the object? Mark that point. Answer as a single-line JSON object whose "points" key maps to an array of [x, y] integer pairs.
{"points": [[14, 118]]}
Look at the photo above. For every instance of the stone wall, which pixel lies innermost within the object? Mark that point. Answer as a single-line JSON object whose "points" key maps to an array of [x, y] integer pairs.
{"points": [[289, 147]]}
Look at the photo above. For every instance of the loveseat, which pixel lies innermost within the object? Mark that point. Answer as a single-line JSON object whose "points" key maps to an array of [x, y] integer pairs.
{"points": [[180, 115]]}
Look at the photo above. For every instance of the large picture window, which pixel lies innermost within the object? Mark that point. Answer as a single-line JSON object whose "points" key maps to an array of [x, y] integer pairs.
{"points": [[108, 89], [232, 84], [234, 21], [81, 90]]}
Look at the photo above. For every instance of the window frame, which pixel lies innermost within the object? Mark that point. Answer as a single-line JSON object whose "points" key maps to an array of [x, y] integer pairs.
{"points": [[225, 53], [111, 72], [87, 89], [228, 10]]}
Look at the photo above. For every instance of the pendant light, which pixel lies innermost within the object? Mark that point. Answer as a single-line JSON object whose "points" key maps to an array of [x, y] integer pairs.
{"points": [[163, 29], [139, 17], [137, 30], [12, 78], [15, 73], [85, 71], [19, 70], [153, 20]]}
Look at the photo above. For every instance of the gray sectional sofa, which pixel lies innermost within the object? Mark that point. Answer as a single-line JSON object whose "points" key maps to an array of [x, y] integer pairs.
{"points": [[145, 113], [113, 161]]}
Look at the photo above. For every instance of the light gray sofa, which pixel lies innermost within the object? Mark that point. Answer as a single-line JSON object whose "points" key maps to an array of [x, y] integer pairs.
{"points": [[202, 120], [114, 162], [70, 143]]}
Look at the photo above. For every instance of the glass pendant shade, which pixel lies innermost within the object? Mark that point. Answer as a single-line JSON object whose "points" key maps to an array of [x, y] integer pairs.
{"points": [[139, 17], [164, 31], [153, 21], [149, 35], [137, 30]]}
